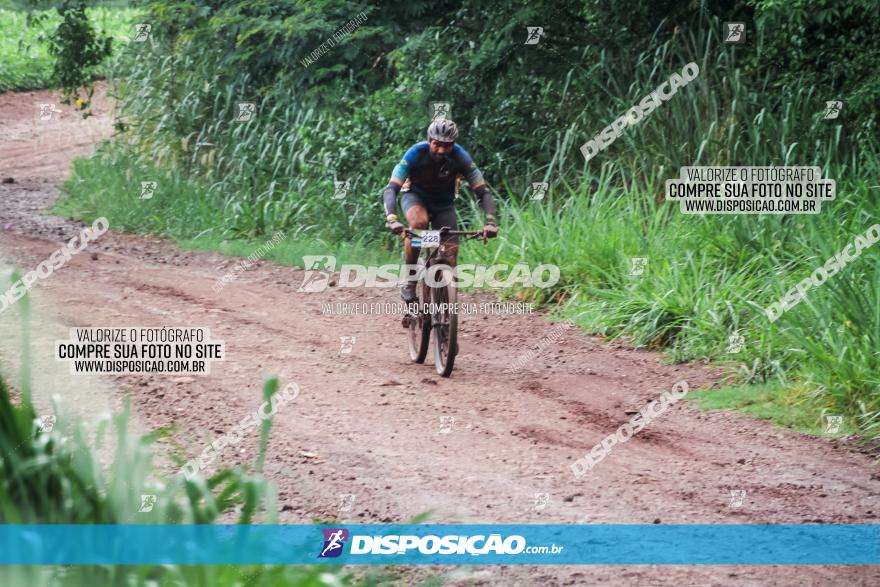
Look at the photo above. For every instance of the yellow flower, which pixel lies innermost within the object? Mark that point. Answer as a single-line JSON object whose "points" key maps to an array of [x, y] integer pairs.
{"points": [[80, 102]]}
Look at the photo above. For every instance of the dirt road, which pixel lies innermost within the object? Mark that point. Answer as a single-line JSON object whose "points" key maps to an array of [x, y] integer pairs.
{"points": [[368, 422]]}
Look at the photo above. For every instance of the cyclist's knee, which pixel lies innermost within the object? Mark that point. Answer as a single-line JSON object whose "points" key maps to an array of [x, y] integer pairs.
{"points": [[417, 217]]}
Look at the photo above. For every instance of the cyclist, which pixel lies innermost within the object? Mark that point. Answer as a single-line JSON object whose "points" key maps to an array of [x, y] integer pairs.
{"points": [[432, 167]]}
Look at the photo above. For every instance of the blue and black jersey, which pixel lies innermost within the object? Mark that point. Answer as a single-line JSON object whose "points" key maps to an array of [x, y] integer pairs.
{"points": [[434, 181]]}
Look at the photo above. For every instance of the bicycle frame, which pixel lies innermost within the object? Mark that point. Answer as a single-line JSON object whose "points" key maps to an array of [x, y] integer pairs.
{"points": [[439, 321]]}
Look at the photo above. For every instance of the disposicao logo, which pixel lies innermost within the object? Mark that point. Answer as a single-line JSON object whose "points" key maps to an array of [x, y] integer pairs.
{"points": [[318, 270], [408, 544], [334, 540]]}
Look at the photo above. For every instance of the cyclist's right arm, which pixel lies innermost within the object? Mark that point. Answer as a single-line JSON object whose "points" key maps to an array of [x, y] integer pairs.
{"points": [[398, 176], [391, 196]]}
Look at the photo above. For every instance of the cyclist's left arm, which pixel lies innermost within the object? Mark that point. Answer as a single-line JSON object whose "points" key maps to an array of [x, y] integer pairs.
{"points": [[478, 185]]}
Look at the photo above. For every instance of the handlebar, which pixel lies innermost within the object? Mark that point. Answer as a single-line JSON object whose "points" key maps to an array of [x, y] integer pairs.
{"points": [[446, 231]]}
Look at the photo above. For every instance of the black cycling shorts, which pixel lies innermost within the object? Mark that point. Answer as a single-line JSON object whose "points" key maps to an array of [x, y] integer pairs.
{"points": [[438, 216]]}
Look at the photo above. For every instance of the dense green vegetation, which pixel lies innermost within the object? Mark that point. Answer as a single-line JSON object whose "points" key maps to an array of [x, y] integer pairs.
{"points": [[524, 111], [25, 59]]}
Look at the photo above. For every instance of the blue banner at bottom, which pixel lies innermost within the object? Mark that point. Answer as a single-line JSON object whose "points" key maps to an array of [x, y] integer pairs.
{"points": [[435, 544]]}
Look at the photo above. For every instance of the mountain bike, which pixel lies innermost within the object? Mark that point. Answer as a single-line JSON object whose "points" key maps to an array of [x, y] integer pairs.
{"points": [[435, 307]]}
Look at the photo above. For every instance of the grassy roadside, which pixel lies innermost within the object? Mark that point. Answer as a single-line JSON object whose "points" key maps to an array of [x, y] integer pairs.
{"points": [[707, 281], [183, 210], [786, 406], [671, 299]]}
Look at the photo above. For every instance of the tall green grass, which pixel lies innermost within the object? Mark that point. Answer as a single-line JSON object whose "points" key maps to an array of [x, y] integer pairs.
{"points": [[708, 277], [60, 477]]}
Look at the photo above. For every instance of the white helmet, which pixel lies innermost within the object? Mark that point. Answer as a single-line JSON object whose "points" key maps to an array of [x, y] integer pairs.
{"points": [[443, 130]]}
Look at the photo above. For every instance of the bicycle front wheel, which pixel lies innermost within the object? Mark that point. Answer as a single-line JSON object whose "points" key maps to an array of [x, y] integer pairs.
{"points": [[444, 323], [419, 334]]}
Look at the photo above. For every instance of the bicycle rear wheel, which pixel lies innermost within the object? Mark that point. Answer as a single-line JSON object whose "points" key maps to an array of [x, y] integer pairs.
{"points": [[420, 328], [445, 324]]}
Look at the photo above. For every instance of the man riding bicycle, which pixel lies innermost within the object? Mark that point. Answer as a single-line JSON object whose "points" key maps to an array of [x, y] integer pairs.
{"points": [[432, 168]]}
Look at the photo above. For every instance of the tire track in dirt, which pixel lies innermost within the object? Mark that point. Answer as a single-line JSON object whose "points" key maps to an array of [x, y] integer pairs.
{"points": [[368, 423]]}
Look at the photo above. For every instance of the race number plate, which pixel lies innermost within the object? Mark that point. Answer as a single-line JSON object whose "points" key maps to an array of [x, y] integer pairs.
{"points": [[430, 239]]}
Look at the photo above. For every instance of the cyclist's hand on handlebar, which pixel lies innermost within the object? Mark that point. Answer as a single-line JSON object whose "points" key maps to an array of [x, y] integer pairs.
{"points": [[394, 226], [490, 231]]}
